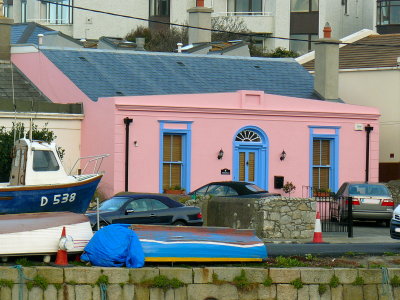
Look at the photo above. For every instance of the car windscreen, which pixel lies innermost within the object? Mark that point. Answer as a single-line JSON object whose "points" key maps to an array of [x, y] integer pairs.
{"points": [[254, 189], [113, 204], [368, 190]]}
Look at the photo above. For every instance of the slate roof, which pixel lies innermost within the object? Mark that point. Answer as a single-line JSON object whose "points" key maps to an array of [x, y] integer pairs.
{"points": [[16, 84], [355, 56], [107, 73], [27, 33]]}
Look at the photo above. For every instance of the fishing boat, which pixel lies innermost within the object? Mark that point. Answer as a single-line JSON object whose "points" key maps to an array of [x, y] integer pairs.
{"points": [[39, 183], [40, 233], [199, 244]]}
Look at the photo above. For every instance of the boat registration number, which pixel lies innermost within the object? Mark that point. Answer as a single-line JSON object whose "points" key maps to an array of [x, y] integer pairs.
{"points": [[58, 199]]}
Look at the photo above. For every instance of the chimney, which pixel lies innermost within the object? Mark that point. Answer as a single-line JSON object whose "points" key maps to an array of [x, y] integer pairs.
{"points": [[5, 32], [140, 44], [199, 16], [326, 81]]}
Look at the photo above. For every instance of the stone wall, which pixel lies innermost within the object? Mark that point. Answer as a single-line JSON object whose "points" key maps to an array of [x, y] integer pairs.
{"points": [[271, 218], [220, 283]]}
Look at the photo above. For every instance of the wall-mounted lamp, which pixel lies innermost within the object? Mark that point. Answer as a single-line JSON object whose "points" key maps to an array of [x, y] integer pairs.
{"points": [[220, 154], [283, 155]]}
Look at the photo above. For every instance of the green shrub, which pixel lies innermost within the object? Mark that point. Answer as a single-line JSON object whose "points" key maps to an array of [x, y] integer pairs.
{"points": [[24, 262]]}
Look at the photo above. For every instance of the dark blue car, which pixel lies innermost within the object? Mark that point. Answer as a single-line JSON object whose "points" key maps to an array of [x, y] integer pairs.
{"points": [[145, 209]]}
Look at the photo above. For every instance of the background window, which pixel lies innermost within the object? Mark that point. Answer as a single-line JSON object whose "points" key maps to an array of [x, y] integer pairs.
{"points": [[388, 12], [302, 47], [59, 14], [304, 5], [159, 8]]}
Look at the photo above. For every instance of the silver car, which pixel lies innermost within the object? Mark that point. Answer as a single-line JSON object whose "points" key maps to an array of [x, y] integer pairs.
{"points": [[371, 201]]}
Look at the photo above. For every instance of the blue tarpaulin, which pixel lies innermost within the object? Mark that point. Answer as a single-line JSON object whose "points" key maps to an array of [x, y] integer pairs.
{"points": [[114, 246]]}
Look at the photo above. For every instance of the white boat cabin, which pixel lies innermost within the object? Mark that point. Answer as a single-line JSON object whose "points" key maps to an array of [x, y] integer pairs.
{"points": [[37, 163]]}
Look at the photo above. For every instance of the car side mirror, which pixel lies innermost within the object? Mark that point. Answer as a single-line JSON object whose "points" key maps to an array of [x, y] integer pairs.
{"points": [[129, 211]]}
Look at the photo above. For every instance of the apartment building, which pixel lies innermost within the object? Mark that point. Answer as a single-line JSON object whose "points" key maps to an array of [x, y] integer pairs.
{"points": [[298, 19]]}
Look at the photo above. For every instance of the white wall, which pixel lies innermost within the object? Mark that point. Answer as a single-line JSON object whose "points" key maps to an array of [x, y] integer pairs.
{"points": [[379, 89], [66, 127]]}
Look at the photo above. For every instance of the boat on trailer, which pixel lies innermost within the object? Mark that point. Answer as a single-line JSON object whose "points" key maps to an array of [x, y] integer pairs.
{"points": [[40, 233], [199, 244], [39, 183]]}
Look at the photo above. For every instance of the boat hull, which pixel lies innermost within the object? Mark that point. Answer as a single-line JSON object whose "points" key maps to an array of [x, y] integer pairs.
{"points": [[40, 233], [73, 197], [199, 244]]}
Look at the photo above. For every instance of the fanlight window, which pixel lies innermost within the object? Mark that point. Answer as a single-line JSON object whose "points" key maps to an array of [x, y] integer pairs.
{"points": [[248, 136]]}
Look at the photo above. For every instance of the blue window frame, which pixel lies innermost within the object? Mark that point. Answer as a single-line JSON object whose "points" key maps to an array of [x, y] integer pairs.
{"points": [[324, 158], [175, 154]]}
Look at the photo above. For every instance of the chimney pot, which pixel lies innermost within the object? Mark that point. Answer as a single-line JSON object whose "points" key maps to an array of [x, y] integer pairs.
{"points": [[199, 3], [327, 31], [179, 47], [40, 39]]}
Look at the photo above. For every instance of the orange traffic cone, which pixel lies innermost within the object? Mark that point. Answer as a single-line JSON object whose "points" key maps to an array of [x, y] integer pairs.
{"points": [[317, 230], [62, 258]]}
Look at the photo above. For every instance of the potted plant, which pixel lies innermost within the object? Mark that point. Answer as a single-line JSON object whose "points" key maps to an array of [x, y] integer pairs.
{"points": [[322, 192], [288, 188], [176, 190]]}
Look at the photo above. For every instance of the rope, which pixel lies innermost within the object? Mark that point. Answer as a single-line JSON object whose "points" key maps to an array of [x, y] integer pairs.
{"points": [[103, 291], [22, 278], [386, 283]]}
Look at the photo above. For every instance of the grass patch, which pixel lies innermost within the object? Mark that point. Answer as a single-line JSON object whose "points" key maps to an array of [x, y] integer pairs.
{"points": [[242, 282], [163, 282], [216, 280], [322, 288], [395, 281], [358, 281], [334, 282], [38, 281], [267, 282], [24, 262], [297, 283], [288, 262], [6, 283], [103, 279]]}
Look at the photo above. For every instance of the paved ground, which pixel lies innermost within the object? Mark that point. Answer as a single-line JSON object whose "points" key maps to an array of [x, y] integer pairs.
{"points": [[363, 232]]}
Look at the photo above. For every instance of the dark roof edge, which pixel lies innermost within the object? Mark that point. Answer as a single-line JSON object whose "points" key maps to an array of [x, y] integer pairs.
{"points": [[40, 107]]}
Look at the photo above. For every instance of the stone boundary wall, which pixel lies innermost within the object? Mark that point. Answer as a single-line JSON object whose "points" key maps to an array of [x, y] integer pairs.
{"points": [[217, 283], [271, 218]]}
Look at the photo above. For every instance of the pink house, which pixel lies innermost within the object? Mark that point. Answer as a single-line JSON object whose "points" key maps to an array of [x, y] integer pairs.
{"points": [[166, 117]]}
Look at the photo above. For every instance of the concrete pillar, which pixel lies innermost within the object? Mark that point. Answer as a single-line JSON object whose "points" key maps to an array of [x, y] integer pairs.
{"points": [[5, 32], [199, 16], [326, 81]]}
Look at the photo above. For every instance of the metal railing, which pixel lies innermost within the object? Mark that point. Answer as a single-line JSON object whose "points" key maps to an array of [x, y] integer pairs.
{"points": [[243, 13], [97, 160]]}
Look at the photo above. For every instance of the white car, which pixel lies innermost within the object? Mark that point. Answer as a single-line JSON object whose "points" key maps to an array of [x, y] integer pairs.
{"points": [[395, 224]]}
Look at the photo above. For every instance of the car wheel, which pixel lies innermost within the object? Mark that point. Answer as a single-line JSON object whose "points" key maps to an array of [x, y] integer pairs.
{"points": [[387, 223], [179, 223]]}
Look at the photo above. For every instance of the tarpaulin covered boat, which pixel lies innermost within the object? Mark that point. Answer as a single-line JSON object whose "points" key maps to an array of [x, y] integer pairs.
{"points": [[199, 244], [39, 183]]}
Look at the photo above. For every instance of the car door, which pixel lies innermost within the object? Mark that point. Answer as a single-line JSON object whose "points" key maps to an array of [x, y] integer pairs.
{"points": [[137, 211], [163, 215]]}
